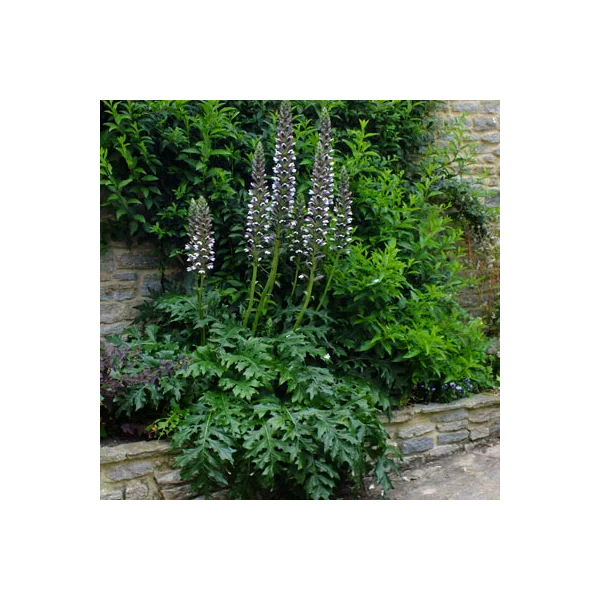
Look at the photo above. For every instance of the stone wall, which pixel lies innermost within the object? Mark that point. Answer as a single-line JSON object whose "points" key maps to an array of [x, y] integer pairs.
{"points": [[140, 471], [482, 120], [427, 431], [145, 470], [127, 276], [482, 257]]}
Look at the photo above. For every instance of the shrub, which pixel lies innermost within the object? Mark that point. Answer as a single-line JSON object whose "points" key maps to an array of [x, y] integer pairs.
{"points": [[274, 421]]}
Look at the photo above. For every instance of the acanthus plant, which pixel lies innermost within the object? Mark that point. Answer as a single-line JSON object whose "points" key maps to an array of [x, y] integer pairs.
{"points": [[280, 221], [316, 225], [200, 247], [258, 235], [326, 232], [282, 199]]}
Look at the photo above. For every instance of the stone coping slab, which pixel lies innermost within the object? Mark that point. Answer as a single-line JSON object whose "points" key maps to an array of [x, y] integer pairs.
{"points": [[477, 401]]}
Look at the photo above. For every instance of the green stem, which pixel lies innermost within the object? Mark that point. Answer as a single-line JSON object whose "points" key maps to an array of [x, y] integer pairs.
{"points": [[311, 281], [252, 287], [331, 272], [296, 275], [199, 289], [266, 293]]}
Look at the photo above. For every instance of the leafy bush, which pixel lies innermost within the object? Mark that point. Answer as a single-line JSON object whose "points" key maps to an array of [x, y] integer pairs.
{"points": [[156, 155], [273, 420]]}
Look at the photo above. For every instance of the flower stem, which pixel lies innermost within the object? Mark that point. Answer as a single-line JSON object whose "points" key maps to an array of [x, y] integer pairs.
{"points": [[199, 290], [311, 281], [252, 287], [266, 293], [331, 272], [296, 276]]}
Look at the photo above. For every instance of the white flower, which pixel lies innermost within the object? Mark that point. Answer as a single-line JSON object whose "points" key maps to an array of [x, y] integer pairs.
{"points": [[201, 255]]}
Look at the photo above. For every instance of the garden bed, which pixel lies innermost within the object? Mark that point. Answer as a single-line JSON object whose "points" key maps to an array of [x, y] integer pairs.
{"points": [[145, 470]]}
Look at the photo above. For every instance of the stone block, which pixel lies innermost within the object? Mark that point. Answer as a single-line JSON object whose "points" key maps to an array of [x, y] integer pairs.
{"points": [[465, 106], [181, 492], [453, 437], [111, 293], [415, 445], [141, 449], [129, 470], [490, 106], [125, 276], [480, 416], [480, 400], [452, 425], [495, 431], [491, 138], [399, 416], [485, 123], [151, 285], [453, 415], [488, 159], [107, 264], [112, 313], [136, 490], [112, 328], [112, 495], [493, 201], [129, 260], [167, 478], [478, 432], [415, 430]]}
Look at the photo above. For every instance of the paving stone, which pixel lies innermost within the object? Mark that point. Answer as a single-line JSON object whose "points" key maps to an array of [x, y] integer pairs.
{"points": [[443, 450], [181, 492], [480, 416], [468, 106], [485, 123], [167, 478]]}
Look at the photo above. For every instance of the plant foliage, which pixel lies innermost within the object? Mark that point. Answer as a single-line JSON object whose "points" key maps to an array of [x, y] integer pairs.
{"points": [[355, 288]]}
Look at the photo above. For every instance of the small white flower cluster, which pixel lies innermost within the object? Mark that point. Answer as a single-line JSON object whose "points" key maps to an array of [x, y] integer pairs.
{"points": [[270, 214], [342, 213], [201, 255], [311, 228], [325, 137], [316, 222], [258, 233], [283, 189]]}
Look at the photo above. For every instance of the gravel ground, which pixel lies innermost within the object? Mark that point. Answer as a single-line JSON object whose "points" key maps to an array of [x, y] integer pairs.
{"points": [[466, 475]]}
